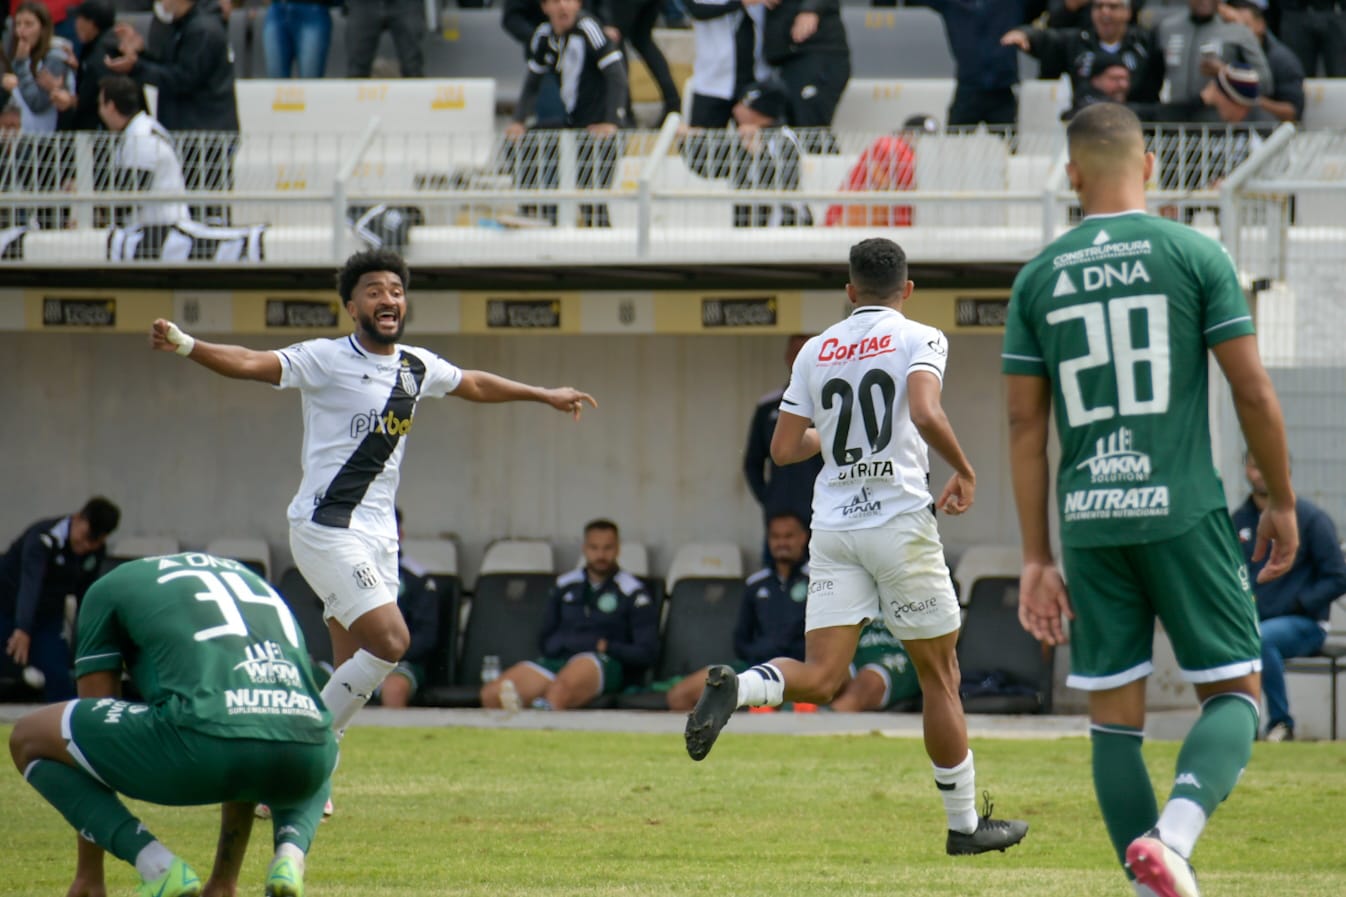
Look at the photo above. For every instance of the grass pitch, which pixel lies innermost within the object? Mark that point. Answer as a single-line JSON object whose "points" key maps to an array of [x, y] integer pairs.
{"points": [[485, 813]]}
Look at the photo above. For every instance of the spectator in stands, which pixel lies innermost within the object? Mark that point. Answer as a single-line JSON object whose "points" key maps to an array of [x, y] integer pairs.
{"points": [[986, 71], [771, 613], [889, 163], [1076, 13], [61, 15], [1316, 31], [520, 19], [54, 558], [195, 79], [1196, 44], [1286, 99], [1109, 82], [144, 161], [806, 42], [728, 39], [1294, 608], [366, 20], [296, 35], [1232, 97], [631, 22], [1075, 50], [600, 634], [94, 24], [41, 62], [571, 44], [418, 600], [778, 488], [882, 674]]}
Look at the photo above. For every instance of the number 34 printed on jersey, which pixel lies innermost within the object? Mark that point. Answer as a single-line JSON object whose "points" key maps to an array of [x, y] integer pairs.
{"points": [[1110, 338], [226, 590]]}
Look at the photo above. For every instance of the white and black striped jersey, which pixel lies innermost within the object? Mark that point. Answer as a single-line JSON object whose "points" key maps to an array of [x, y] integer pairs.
{"points": [[851, 381], [358, 411], [579, 58], [728, 47], [145, 160]]}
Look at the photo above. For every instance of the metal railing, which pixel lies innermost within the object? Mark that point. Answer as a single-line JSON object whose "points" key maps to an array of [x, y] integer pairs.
{"points": [[667, 195]]}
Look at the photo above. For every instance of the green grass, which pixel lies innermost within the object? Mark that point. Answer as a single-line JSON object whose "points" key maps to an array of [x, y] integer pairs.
{"points": [[484, 813]]}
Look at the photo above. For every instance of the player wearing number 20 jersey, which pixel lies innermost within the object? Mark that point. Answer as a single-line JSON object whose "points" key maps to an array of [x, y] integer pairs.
{"points": [[1118, 314]]}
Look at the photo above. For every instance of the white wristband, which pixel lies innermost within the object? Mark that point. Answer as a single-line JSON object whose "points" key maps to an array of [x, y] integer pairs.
{"points": [[184, 342]]}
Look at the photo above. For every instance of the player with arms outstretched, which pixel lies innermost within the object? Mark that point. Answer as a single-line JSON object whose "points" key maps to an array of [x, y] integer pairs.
{"points": [[866, 393], [231, 715], [1112, 323]]}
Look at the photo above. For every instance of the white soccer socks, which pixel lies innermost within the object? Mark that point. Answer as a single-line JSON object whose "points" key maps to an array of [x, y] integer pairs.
{"points": [[761, 686], [958, 787], [351, 686]]}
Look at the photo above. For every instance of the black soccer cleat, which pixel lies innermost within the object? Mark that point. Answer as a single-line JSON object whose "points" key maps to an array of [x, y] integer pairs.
{"points": [[991, 834], [718, 701]]}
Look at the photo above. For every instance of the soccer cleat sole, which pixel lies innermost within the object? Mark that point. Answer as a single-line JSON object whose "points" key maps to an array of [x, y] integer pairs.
{"points": [[718, 701], [1146, 858]]}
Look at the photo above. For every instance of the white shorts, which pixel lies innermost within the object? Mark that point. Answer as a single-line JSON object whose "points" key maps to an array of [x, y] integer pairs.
{"points": [[352, 572], [896, 571]]}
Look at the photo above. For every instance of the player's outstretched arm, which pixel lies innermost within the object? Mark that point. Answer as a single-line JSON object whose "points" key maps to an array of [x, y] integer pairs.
{"points": [[923, 389], [480, 386], [1043, 601], [1263, 425], [237, 362]]}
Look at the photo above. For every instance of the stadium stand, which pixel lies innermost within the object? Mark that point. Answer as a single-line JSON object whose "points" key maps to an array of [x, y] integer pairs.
{"points": [[308, 613], [508, 602], [129, 548], [253, 553], [1325, 103], [1005, 670]]}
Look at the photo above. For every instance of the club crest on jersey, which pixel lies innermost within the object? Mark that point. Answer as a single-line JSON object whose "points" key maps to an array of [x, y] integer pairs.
{"points": [[408, 379], [366, 577]]}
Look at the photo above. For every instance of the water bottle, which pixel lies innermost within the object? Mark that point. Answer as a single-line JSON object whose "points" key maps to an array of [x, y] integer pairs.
{"points": [[490, 668]]}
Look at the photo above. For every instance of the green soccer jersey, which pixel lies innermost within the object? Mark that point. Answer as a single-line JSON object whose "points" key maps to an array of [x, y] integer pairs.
{"points": [[208, 643], [1118, 315]]}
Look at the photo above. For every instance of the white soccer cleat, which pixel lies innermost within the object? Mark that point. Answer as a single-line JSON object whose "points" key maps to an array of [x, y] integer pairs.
{"points": [[1160, 868]]}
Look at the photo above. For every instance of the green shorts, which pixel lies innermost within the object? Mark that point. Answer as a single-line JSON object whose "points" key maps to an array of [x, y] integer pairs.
{"points": [[889, 659], [136, 751], [1196, 584], [610, 676]]}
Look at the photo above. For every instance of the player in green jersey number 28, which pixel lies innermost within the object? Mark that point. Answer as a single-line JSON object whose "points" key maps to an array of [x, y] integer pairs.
{"points": [[1112, 323], [231, 715]]}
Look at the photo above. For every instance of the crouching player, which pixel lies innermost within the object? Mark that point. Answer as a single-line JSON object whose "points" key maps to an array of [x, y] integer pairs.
{"points": [[231, 715]]}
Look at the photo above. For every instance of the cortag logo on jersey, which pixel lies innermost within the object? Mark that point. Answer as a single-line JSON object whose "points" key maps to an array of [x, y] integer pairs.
{"points": [[1115, 461], [875, 470], [833, 349], [366, 577]]}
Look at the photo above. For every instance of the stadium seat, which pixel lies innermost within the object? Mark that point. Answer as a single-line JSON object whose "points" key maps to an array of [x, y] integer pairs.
{"points": [[898, 43], [471, 43], [1005, 670], [1329, 661], [308, 613], [1325, 102], [880, 105], [1041, 104], [705, 580], [254, 554], [439, 558], [506, 612]]}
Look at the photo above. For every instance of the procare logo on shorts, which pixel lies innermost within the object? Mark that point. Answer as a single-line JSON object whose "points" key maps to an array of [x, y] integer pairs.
{"points": [[366, 577]]}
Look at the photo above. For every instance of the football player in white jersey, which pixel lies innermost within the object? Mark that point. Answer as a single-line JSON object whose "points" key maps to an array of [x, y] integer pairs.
{"points": [[866, 394], [360, 392]]}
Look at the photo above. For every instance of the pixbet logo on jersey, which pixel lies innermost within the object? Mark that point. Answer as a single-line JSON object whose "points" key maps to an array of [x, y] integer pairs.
{"points": [[386, 424], [833, 349]]}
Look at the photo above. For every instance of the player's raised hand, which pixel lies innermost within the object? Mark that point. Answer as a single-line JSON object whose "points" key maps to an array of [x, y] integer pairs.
{"points": [[1044, 603], [566, 398], [166, 337], [958, 495], [1278, 534]]}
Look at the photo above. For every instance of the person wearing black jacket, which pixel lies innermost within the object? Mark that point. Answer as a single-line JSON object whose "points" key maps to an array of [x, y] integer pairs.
{"points": [[806, 42], [54, 558], [632, 22], [1316, 31], [94, 21], [727, 34], [1293, 609], [1075, 50], [600, 634]]}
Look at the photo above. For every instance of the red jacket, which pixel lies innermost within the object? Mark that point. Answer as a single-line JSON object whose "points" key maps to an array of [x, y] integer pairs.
{"points": [[886, 164]]}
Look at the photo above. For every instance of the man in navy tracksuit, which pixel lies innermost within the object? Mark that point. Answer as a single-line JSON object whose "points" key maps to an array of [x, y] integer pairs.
{"points": [[771, 617], [600, 634], [1294, 608], [53, 558]]}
